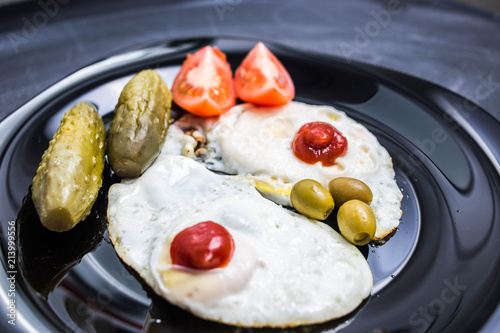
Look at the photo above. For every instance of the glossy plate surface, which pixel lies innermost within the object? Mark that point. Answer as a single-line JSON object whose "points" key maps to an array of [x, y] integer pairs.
{"points": [[439, 272]]}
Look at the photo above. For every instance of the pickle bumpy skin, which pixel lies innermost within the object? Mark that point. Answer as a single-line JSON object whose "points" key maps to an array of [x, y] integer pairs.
{"points": [[139, 126], [69, 176]]}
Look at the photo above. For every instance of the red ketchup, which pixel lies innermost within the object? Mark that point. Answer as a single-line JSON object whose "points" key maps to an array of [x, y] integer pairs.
{"points": [[204, 246], [319, 142]]}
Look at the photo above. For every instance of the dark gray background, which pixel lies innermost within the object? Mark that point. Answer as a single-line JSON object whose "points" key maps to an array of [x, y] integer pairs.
{"points": [[447, 43]]}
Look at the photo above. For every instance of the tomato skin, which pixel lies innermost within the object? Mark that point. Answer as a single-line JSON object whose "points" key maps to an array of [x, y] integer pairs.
{"points": [[204, 85], [261, 79], [319, 142], [204, 246]]}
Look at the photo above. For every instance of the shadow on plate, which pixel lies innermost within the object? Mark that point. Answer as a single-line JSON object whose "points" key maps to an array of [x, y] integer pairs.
{"points": [[46, 256], [165, 317]]}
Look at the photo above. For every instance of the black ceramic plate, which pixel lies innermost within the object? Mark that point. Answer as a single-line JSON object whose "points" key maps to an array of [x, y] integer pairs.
{"points": [[438, 273]]}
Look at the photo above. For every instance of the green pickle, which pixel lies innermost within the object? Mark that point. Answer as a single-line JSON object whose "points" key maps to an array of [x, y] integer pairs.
{"points": [[139, 126], [69, 176]]}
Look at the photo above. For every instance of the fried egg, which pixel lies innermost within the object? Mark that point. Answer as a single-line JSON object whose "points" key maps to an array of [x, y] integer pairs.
{"points": [[251, 140], [286, 270]]}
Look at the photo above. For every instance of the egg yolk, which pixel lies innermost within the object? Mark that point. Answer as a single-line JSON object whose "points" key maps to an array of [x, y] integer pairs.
{"points": [[204, 246], [319, 142]]}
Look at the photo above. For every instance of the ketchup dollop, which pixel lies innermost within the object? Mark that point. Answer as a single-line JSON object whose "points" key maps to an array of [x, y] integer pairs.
{"points": [[319, 142], [204, 246]]}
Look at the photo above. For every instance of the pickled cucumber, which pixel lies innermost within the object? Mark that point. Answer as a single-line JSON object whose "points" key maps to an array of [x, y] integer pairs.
{"points": [[69, 176], [139, 124]]}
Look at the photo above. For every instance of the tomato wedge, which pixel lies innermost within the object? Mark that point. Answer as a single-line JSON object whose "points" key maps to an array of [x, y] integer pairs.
{"points": [[204, 85], [261, 79]]}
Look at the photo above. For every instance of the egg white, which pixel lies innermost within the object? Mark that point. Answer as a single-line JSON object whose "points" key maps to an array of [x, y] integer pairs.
{"points": [[286, 270], [251, 140]]}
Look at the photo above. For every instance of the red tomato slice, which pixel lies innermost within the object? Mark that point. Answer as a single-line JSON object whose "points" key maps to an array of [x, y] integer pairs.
{"points": [[204, 85], [261, 79]]}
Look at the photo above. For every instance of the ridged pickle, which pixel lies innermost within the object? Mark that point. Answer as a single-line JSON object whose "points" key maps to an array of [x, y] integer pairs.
{"points": [[139, 126], [69, 176]]}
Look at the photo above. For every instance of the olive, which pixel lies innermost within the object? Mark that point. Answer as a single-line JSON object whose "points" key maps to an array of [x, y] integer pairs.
{"points": [[356, 222], [311, 199], [344, 189]]}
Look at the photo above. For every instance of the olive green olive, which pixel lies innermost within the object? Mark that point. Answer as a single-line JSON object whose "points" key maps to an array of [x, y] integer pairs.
{"points": [[344, 189], [356, 222], [312, 199]]}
